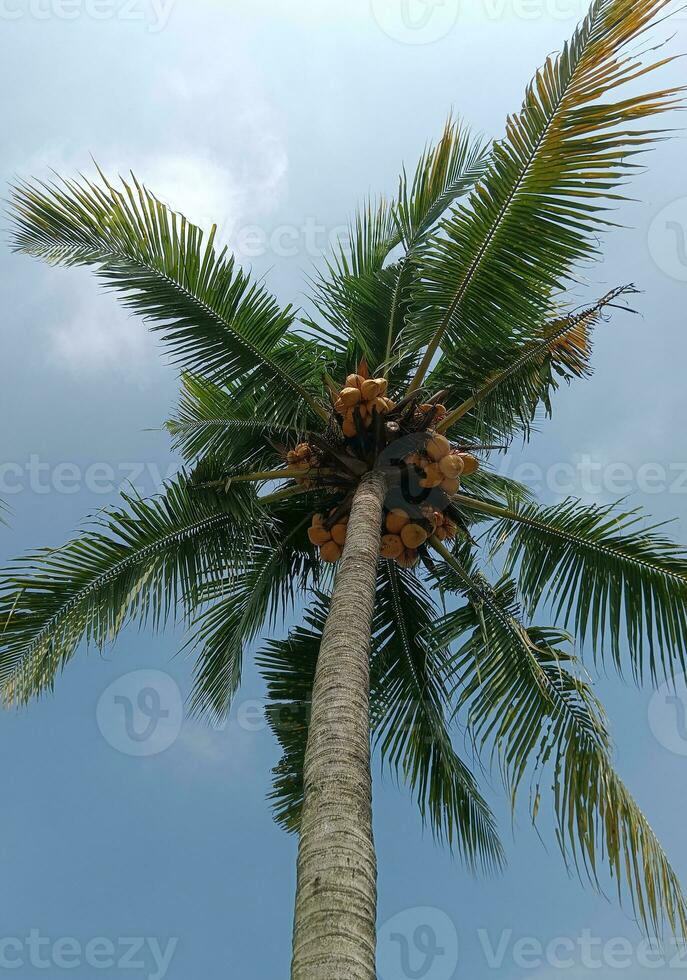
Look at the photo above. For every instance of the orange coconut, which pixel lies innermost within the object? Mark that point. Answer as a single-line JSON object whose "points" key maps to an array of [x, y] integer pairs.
{"points": [[339, 533], [438, 447], [391, 546], [319, 535], [413, 535], [396, 519], [330, 552]]}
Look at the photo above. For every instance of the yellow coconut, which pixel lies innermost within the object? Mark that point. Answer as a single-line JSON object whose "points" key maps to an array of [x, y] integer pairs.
{"points": [[439, 412], [408, 558], [350, 397], [354, 381], [373, 388], [339, 533], [317, 520], [438, 447], [319, 535], [470, 464], [381, 405], [391, 546], [451, 466], [396, 520], [339, 406], [330, 551], [433, 476], [348, 425], [412, 535], [450, 486]]}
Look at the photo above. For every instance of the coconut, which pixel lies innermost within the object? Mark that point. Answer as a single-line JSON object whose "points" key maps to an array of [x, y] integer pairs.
{"points": [[348, 425], [339, 533], [350, 396], [373, 388], [438, 447], [391, 546], [396, 519], [317, 520], [381, 405], [451, 466], [439, 412], [450, 486], [354, 381], [330, 551], [319, 535], [433, 476], [339, 407], [408, 558], [412, 535], [470, 464]]}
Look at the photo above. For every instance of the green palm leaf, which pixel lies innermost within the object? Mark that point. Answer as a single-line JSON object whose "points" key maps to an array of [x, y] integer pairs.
{"points": [[215, 321], [216, 420], [502, 392], [278, 569], [142, 561], [515, 692], [618, 581], [363, 299], [539, 209], [409, 717]]}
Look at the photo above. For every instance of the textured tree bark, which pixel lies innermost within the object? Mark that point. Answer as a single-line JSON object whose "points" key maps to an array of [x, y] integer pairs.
{"points": [[336, 891]]}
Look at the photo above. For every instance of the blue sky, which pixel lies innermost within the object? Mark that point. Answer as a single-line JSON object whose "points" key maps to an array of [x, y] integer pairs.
{"points": [[275, 119]]}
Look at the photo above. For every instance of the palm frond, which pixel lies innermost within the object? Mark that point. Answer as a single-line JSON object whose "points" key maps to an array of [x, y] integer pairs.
{"points": [[363, 299], [545, 198], [141, 561], [504, 395], [616, 580], [288, 667], [410, 719], [516, 690], [277, 569], [215, 321], [215, 420]]}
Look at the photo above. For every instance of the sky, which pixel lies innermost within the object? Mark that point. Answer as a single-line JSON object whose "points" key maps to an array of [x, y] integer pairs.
{"points": [[134, 841]]}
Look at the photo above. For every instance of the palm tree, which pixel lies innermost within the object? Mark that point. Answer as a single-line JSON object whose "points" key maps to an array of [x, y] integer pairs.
{"points": [[313, 444]]}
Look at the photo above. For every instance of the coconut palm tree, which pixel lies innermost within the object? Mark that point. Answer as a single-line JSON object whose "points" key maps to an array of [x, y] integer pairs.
{"points": [[338, 464]]}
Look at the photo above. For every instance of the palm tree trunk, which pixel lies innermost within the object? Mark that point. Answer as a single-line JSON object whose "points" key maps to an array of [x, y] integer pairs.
{"points": [[336, 891]]}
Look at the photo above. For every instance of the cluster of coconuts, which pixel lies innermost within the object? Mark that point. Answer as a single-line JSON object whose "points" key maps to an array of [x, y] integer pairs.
{"points": [[330, 541], [302, 457], [439, 465], [406, 533], [363, 396]]}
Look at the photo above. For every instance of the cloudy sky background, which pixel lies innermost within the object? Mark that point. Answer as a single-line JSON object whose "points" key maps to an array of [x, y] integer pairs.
{"points": [[274, 119]]}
